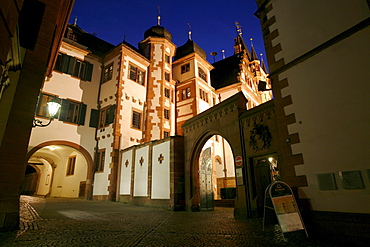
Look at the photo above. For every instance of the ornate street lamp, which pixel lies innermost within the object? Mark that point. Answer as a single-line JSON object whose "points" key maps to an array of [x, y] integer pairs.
{"points": [[53, 107]]}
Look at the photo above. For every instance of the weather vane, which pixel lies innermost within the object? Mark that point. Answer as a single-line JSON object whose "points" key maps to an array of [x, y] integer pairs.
{"points": [[159, 16], [238, 28], [189, 32]]}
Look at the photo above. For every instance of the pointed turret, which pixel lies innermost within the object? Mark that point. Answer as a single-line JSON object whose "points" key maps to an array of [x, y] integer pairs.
{"points": [[239, 44], [263, 65], [253, 51]]}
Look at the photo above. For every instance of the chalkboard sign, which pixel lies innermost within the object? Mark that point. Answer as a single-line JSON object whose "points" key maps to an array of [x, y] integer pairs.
{"points": [[285, 207]]}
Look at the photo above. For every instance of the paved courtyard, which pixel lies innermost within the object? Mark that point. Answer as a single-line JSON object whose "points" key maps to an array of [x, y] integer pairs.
{"points": [[77, 222]]}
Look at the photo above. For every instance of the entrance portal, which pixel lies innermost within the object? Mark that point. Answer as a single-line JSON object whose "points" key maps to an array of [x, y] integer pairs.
{"points": [[217, 185]]}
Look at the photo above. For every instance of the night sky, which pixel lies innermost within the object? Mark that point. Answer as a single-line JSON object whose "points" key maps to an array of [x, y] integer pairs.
{"points": [[212, 21]]}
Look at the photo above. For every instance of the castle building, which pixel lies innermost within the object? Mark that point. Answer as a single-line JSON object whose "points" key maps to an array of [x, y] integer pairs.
{"points": [[119, 104]]}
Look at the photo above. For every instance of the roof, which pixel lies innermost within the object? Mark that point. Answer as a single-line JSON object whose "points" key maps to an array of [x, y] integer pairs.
{"points": [[188, 48], [226, 71], [93, 43], [158, 31]]}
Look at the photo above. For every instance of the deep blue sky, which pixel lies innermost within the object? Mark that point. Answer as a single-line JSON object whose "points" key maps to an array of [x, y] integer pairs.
{"points": [[212, 21]]}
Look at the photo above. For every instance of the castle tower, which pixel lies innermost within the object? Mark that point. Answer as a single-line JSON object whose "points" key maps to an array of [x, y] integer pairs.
{"points": [[159, 111], [191, 70]]}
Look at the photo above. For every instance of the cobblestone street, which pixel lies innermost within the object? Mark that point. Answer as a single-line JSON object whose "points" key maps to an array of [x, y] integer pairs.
{"points": [[77, 222]]}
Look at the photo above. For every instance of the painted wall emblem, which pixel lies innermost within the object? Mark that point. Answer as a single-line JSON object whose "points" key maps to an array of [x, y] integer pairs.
{"points": [[260, 138]]}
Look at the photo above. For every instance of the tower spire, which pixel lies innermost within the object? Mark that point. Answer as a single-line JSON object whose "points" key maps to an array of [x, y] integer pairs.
{"points": [[263, 65], [253, 51], [238, 28], [159, 16], [239, 45]]}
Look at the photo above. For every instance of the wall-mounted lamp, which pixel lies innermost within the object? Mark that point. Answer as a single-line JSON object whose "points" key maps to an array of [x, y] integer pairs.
{"points": [[53, 108]]}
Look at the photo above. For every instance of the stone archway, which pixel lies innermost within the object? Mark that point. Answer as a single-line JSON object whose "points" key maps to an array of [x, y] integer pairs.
{"points": [[87, 187], [222, 119]]}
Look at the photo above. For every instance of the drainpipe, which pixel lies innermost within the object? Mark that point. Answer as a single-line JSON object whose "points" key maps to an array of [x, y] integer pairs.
{"points": [[95, 161], [175, 100]]}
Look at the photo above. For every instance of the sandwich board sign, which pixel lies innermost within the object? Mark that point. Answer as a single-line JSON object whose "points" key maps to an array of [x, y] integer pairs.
{"points": [[285, 207]]}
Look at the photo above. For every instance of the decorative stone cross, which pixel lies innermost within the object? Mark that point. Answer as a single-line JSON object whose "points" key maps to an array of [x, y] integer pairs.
{"points": [[126, 163], [160, 158], [141, 161]]}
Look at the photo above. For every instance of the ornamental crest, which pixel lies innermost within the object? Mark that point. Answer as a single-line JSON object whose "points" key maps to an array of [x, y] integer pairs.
{"points": [[260, 137]]}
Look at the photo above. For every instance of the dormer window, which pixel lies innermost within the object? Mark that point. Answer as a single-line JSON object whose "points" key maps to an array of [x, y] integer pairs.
{"points": [[71, 35]]}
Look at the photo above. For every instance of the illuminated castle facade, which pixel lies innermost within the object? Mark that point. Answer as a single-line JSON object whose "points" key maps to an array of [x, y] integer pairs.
{"points": [[122, 111]]}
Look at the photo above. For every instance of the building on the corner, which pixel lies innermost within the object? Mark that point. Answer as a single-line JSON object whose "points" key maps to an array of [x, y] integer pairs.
{"points": [[318, 56]]}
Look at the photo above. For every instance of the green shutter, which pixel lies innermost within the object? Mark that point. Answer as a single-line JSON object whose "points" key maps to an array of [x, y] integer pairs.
{"points": [[64, 110], [110, 114], [88, 73], [58, 63], [71, 65], [94, 118], [64, 63], [82, 114]]}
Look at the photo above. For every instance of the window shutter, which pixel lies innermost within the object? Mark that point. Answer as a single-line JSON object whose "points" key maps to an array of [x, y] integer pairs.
{"points": [[58, 63], [110, 114], [64, 63], [82, 114], [71, 65], [88, 73], [64, 110], [94, 118]]}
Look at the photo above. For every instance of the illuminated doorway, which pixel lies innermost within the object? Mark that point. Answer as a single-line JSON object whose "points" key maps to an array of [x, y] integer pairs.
{"points": [[217, 185]]}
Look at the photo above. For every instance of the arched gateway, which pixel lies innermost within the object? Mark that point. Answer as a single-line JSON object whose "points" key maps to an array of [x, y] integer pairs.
{"points": [[231, 120]]}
